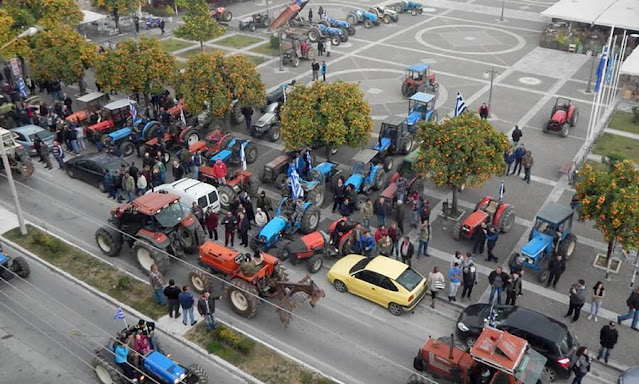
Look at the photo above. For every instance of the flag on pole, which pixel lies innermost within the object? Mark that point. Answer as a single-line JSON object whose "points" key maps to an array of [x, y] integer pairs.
{"points": [[309, 160], [119, 314], [243, 155], [611, 64], [502, 191], [296, 187], [182, 116], [134, 111], [600, 68], [460, 104], [22, 87]]}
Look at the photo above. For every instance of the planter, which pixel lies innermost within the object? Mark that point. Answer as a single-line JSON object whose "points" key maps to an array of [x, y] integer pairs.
{"points": [[602, 263], [461, 214]]}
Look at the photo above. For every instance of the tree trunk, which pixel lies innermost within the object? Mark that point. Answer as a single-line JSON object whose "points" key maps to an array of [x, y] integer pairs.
{"points": [[82, 85], [328, 152], [611, 248], [116, 19], [202, 46], [453, 206]]}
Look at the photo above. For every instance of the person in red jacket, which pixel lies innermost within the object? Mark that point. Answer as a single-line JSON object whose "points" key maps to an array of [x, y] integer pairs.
{"points": [[219, 171], [484, 111]]}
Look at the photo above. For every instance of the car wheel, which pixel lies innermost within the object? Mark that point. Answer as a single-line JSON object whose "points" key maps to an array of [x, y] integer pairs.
{"points": [[550, 374], [71, 172], [395, 309], [101, 187], [339, 286]]}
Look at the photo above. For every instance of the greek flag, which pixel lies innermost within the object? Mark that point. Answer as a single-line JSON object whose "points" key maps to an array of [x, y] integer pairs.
{"points": [[600, 68], [22, 87], [460, 104], [502, 191], [309, 160], [182, 116], [134, 112], [119, 315], [296, 187], [243, 155]]}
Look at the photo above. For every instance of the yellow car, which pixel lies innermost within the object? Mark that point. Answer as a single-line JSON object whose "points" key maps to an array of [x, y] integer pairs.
{"points": [[382, 280]]}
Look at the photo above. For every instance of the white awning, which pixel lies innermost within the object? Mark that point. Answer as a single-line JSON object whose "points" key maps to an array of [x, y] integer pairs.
{"points": [[631, 65], [622, 14], [90, 17]]}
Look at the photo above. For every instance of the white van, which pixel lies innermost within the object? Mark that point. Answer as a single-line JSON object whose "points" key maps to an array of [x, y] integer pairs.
{"points": [[191, 190]]}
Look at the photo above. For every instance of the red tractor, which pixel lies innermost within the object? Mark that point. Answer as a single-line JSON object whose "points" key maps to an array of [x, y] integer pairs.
{"points": [[419, 79], [266, 279], [174, 137], [154, 225], [309, 248], [345, 243], [223, 146], [221, 14], [241, 181], [489, 211], [497, 357], [416, 184], [564, 114], [115, 115]]}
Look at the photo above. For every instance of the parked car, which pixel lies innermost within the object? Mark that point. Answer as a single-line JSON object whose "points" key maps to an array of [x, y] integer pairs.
{"points": [[382, 280], [548, 336], [191, 190], [92, 167], [26, 134], [629, 376]]}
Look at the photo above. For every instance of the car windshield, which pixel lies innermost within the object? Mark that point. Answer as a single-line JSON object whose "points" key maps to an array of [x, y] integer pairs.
{"points": [[409, 279], [172, 215], [360, 265], [565, 344]]}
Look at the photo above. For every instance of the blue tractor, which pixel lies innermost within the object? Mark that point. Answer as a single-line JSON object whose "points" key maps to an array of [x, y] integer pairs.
{"points": [[365, 175], [230, 151], [408, 6], [336, 35], [359, 15], [314, 181], [394, 139], [551, 235], [345, 26], [154, 366], [421, 107], [289, 218], [9, 267]]}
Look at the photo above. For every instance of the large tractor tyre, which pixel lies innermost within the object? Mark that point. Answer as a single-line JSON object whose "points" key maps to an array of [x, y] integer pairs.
{"points": [[252, 27], [386, 19], [344, 36], [506, 220], [544, 273], [227, 16], [274, 133], [152, 130], [314, 263], [311, 53], [280, 181], [226, 194], [147, 255], [368, 24], [127, 149], [266, 21], [420, 11], [359, 201], [20, 267], [109, 240], [564, 130], [105, 372], [567, 246], [250, 151], [351, 30], [236, 114], [457, 229], [380, 180], [316, 195], [286, 254], [407, 145], [243, 298], [512, 259], [252, 185], [574, 118], [265, 177], [346, 246], [310, 219], [200, 281], [413, 12], [197, 373], [388, 164], [435, 87], [405, 89], [190, 136], [335, 41], [545, 129], [398, 8], [191, 239], [295, 61], [314, 35], [352, 19], [315, 174]]}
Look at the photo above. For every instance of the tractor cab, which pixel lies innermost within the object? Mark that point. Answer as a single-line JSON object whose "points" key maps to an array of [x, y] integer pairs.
{"points": [[421, 107], [88, 103], [394, 138], [364, 173], [564, 115], [419, 79]]}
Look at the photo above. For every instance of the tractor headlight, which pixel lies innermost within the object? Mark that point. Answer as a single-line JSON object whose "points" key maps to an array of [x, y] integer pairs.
{"points": [[462, 327]]}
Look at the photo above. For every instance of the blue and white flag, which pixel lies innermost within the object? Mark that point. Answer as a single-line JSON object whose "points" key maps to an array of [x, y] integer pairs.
{"points": [[182, 116], [243, 155], [22, 87], [119, 315], [134, 111], [502, 191], [600, 68], [296, 187], [309, 160], [611, 65], [460, 104]]}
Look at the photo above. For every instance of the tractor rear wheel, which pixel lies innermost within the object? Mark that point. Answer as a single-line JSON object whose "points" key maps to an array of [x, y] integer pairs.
{"points": [[250, 151], [287, 254], [351, 30], [398, 8], [314, 35], [20, 267], [243, 298], [236, 114], [310, 219], [151, 130], [506, 220], [147, 255], [575, 117], [191, 239], [405, 89], [106, 373], [407, 145], [280, 181], [567, 246], [226, 195], [274, 133], [127, 148], [380, 179], [388, 164], [346, 247], [311, 53], [198, 373], [368, 24], [316, 195], [352, 19], [105, 140], [457, 229], [227, 16], [314, 263], [109, 240], [252, 186], [386, 19], [199, 280], [546, 129], [190, 136]]}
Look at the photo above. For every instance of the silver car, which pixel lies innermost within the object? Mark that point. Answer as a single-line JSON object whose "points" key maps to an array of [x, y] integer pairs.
{"points": [[25, 135]]}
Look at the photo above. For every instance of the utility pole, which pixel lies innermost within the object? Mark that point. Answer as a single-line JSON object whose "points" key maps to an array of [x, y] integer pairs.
{"points": [[503, 2], [592, 68], [12, 187], [279, 35], [490, 74]]}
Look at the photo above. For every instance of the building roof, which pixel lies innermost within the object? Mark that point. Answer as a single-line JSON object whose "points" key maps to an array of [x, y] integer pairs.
{"points": [[623, 14], [422, 97]]}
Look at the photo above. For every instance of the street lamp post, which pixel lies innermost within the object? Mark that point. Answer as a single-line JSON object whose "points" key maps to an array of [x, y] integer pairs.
{"points": [[592, 68], [279, 35], [503, 2], [490, 74]]}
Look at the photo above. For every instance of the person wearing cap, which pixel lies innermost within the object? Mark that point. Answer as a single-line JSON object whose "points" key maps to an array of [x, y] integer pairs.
{"points": [[608, 336]]}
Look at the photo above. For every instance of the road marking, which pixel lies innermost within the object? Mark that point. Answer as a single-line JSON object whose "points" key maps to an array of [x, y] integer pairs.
{"points": [[521, 42]]}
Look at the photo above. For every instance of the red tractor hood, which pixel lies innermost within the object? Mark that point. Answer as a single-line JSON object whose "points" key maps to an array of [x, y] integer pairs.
{"points": [[101, 126]]}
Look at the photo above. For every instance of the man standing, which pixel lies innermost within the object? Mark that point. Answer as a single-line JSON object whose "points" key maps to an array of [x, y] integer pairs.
{"points": [[315, 68], [528, 161], [248, 115], [68, 103], [497, 280], [483, 111], [424, 238], [186, 302], [516, 135], [128, 186], [197, 212], [577, 299], [177, 170], [513, 290], [479, 239], [264, 203], [157, 283], [608, 336], [519, 156], [211, 222], [406, 250], [197, 162], [491, 241], [58, 153], [44, 154], [381, 210], [633, 310], [172, 293], [162, 25], [230, 223], [206, 308], [556, 267], [324, 67]]}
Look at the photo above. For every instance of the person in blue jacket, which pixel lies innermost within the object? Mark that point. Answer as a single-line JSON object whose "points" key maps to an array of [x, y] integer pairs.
{"points": [[509, 159], [519, 156], [367, 244], [491, 241], [121, 359]]}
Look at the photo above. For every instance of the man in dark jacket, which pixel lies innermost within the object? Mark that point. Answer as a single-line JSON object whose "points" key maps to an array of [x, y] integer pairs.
{"points": [[516, 135], [513, 289], [479, 239], [211, 221], [230, 224], [206, 308], [264, 203], [497, 280], [248, 115], [406, 250], [577, 299], [491, 241], [187, 300], [556, 267], [172, 293], [381, 210], [177, 170], [608, 336], [44, 154], [519, 156], [633, 310]]}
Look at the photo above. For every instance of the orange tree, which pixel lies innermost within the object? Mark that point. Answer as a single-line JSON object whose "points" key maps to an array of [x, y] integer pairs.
{"points": [[61, 53], [460, 151], [135, 67], [47, 13], [330, 114], [611, 199], [198, 25], [216, 80]]}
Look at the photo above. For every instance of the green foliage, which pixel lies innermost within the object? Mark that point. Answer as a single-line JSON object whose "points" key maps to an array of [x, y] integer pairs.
{"points": [[158, 11], [121, 6], [198, 25], [49, 243], [332, 114], [47, 13], [274, 42], [124, 283], [215, 80]]}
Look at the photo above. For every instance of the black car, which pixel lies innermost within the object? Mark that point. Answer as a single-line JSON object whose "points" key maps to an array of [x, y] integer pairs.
{"points": [[92, 167], [546, 335]]}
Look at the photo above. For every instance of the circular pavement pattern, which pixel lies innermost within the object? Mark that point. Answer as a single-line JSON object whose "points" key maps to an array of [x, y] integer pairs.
{"points": [[469, 30], [529, 80]]}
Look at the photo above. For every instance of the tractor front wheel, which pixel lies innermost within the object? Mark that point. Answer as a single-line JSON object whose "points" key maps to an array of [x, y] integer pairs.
{"points": [[310, 220], [351, 30], [191, 239], [352, 19], [250, 151], [567, 246], [343, 37], [407, 145], [274, 133], [106, 373], [386, 19], [227, 16], [127, 148], [564, 131], [413, 12], [314, 263], [199, 280], [368, 24], [380, 179], [198, 373], [388, 164], [575, 117], [243, 298], [20, 267], [316, 195], [335, 41], [109, 240], [405, 87]]}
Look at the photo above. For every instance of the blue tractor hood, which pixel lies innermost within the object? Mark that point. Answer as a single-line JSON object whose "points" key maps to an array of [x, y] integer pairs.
{"points": [[164, 368], [413, 118], [536, 245], [355, 180], [385, 143], [273, 228], [120, 134]]}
